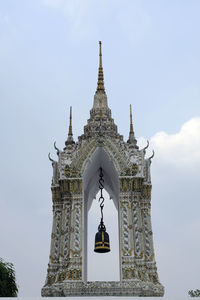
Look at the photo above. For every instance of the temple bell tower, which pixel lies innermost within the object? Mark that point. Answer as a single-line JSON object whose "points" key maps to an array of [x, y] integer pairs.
{"points": [[75, 184]]}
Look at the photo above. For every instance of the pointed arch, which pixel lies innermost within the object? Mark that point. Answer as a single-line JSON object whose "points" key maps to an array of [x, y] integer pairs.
{"points": [[91, 176], [113, 150], [99, 158]]}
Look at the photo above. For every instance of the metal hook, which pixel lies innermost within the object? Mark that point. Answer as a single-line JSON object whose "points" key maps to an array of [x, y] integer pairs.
{"points": [[101, 187]]}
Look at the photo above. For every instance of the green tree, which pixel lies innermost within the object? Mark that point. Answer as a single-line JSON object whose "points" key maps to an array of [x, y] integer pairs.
{"points": [[8, 286], [195, 293]]}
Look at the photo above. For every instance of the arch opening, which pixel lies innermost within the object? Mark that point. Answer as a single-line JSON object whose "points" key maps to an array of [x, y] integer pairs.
{"points": [[103, 267], [90, 190]]}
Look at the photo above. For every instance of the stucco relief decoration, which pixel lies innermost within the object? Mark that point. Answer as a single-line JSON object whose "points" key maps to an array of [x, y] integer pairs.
{"points": [[132, 171], [77, 230], [126, 241], [71, 172], [146, 231], [57, 235], [66, 231], [136, 232]]}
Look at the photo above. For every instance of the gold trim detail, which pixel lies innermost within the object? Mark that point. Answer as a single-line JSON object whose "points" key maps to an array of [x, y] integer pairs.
{"points": [[101, 243], [102, 247]]}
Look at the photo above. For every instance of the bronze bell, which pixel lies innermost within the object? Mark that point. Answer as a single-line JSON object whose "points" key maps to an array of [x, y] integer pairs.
{"points": [[102, 243]]}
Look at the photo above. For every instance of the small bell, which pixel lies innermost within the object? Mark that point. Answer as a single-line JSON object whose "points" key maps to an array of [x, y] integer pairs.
{"points": [[102, 243]]}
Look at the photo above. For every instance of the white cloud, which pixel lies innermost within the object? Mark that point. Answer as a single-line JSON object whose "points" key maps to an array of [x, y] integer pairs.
{"points": [[179, 148]]}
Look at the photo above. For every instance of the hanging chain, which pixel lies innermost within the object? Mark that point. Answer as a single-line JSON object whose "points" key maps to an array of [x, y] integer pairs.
{"points": [[101, 187]]}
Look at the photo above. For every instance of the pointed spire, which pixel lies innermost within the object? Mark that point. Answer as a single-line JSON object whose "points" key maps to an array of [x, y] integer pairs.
{"points": [[100, 83], [70, 122], [131, 120], [70, 139], [132, 141]]}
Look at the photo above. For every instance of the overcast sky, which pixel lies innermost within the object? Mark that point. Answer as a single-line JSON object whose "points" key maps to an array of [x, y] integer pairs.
{"points": [[49, 61]]}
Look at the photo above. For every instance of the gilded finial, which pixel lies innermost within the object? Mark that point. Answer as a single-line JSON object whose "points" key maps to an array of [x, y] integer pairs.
{"points": [[100, 55], [132, 141], [70, 122], [131, 120], [70, 140], [100, 83]]}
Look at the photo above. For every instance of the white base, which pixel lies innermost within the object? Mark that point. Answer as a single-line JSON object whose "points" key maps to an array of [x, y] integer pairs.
{"points": [[104, 288]]}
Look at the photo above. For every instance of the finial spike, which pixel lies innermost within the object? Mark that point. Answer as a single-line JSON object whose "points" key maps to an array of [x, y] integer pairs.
{"points": [[132, 141], [100, 55], [70, 140], [70, 122], [100, 82], [131, 120]]}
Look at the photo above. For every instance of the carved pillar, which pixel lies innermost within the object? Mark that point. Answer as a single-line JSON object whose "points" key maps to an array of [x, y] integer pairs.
{"points": [[64, 240], [126, 229], [137, 230], [65, 261], [137, 227], [54, 259], [74, 271], [149, 268]]}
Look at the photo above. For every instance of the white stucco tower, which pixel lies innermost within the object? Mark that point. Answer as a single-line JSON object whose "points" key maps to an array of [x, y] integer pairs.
{"points": [[75, 185]]}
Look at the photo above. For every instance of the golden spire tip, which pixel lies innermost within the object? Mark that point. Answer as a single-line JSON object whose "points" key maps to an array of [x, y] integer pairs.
{"points": [[100, 82], [100, 55], [131, 120], [70, 122]]}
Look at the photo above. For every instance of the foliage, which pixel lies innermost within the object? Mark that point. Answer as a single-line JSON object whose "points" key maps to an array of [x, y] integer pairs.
{"points": [[194, 293], [8, 286]]}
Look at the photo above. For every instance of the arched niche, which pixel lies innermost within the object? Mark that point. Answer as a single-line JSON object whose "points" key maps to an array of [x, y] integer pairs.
{"points": [[91, 187]]}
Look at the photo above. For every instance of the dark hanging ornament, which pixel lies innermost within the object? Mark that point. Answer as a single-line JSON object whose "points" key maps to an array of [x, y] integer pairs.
{"points": [[102, 243]]}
